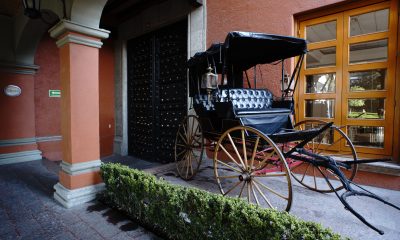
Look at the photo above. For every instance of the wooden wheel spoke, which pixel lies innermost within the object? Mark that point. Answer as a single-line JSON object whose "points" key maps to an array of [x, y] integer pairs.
{"points": [[271, 190], [236, 150], [321, 139], [266, 158], [182, 162], [262, 194], [254, 194], [244, 149], [229, 166], [241, 190], [254, 152], [183, 138], [237, 184], [184, 127], [187, 166], [180, 153], [315, 180], [304, 174], [229, 176], [191, 163], [297, 166], [271, 175], [197, 158], [248, 192], [230, 156], [331, 145]]}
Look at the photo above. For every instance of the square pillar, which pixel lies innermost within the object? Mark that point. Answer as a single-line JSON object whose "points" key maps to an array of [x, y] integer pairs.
{"points": [[79, 177]]}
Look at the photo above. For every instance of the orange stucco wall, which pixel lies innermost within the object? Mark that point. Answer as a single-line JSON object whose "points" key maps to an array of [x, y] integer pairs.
{"points": [[106, 95], [48, 109], [258, 16], [17, 114], [35, 114]]}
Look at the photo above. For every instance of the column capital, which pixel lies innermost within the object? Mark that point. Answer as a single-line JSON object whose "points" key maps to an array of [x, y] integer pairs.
{"points": [[66, 31]]}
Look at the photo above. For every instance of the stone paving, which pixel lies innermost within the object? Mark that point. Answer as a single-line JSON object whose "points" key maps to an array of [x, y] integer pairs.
{"points": [[28, 210]]}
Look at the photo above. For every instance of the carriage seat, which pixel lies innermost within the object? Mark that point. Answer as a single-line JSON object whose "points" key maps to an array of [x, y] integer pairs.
{"points": [[251, 101], [201, 100]]}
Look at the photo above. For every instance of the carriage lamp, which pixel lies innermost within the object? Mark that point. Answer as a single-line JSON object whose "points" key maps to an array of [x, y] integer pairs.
{"points": [[209, 81], [32, 8]]}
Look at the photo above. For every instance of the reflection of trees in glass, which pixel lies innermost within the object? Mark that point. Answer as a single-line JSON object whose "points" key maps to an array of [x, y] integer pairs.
{"points": [[321, 83], [356, 102], [368, 80]]}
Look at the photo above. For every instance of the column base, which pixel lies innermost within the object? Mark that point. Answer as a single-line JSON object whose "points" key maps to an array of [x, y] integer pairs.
{"points": [[69, 198]]}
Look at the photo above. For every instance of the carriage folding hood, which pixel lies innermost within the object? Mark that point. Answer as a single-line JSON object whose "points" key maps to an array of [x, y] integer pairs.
{"points": [[241, 51]]}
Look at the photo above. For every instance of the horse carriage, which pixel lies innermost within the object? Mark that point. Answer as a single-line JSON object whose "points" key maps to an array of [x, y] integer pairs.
{"points": [[257, 148]]}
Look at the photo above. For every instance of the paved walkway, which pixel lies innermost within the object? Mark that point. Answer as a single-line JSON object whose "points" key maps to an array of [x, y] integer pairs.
{"points": [[28, 210]]}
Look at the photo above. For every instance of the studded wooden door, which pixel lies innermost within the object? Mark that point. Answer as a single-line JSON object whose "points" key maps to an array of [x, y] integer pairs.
{"points": [[157, 91]]}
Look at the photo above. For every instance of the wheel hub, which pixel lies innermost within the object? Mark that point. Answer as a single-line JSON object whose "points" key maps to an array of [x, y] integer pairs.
{"points": [[245, 177]]}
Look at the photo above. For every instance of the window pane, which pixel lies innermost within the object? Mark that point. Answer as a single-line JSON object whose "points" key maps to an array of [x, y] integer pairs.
{"points": [[369, 51], [321, 32], [367, 80], [326, 137], [366, 108], [366, 136], [323, 108], [321, 83], [371, 22], [321, 57]]}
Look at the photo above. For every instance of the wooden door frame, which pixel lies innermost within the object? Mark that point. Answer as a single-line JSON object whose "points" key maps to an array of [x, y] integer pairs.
{"points": [[394, 19]]}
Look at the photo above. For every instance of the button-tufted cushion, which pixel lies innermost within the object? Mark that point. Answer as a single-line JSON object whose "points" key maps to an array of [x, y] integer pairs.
{"points": [[248, 99], [203, 102]]}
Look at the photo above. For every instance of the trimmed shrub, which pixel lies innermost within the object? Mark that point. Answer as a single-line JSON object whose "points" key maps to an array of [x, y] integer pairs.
{"points": [[178, 212]]}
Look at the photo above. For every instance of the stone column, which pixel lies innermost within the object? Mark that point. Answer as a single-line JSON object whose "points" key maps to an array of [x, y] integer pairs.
{"points": [[79, 178]]}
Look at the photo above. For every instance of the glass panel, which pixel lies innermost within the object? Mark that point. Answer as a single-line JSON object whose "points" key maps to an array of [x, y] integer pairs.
{"points": [[366, 108], [377, 21], [321, 57], [323, 108], [321, 83], [366, 136], [369, 51], [321, 32], [367, 80], [326, 137]]}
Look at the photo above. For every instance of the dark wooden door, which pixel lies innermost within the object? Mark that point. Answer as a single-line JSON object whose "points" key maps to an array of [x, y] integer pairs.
{"points": [[157, 91]]}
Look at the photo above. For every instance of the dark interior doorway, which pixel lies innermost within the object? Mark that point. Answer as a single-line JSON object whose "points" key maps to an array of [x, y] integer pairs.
{"points": [[157, 91]]}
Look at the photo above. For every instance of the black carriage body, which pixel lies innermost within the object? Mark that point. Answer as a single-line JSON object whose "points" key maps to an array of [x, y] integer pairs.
{"points": [[232, 105]]}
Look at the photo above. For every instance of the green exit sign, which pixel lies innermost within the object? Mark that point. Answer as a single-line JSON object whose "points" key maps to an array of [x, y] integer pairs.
{"points": [[54, 93]]}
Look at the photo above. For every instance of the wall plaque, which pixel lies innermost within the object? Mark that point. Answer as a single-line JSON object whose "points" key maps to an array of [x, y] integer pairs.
{"points": [[12, 91]]}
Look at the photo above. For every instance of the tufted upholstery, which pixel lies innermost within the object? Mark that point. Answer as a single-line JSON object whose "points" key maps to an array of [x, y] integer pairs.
{"points": [[251, 101], [202, 101], [248, 99]]}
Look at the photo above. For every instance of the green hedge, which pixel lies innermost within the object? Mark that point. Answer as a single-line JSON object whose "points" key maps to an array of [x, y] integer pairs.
{"points": [[178, 212]]}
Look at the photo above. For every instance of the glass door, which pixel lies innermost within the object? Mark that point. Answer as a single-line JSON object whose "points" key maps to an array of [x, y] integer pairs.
{"points": [[349, 75]]}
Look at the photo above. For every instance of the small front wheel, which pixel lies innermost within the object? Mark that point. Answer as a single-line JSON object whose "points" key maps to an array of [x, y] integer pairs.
{"points": [[326, 144], [248, 164], [189, 147]]}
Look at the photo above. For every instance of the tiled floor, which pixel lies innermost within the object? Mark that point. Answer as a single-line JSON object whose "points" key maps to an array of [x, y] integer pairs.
{"points": [[28, 210]]}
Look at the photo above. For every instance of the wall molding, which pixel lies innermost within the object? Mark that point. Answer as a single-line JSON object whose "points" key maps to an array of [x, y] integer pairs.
{"points": [[71, 38], [64, 26], [18, 68], [80, 168], [19, 157], [26, 141]]}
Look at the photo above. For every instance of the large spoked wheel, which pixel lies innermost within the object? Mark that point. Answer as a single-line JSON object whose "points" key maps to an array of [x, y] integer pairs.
{"points": [[189, 147], [248, 164], [326, 144]]}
